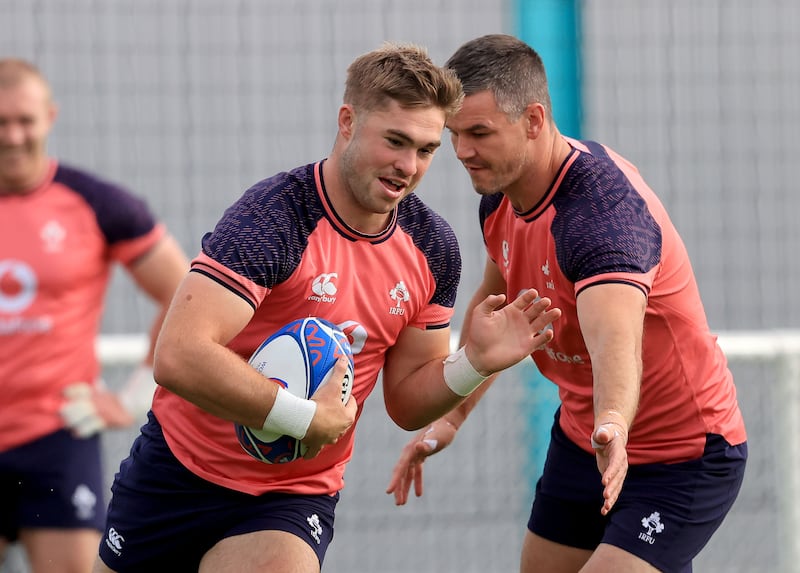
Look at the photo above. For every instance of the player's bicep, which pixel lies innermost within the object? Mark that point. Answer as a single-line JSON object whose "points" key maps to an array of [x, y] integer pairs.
{"points": [[203, 310]]}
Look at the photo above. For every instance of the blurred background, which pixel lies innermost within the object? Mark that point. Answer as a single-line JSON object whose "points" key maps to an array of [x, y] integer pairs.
{"points": [[189, 102]]}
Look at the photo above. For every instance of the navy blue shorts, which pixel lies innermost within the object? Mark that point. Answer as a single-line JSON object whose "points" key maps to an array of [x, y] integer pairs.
{"points": [[53, 482], [665, 514], [162, 517]]}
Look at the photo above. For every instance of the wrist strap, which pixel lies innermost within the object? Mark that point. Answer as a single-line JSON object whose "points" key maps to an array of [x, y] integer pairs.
{"points": [[616, 434], [290, 415], [459, 374]]}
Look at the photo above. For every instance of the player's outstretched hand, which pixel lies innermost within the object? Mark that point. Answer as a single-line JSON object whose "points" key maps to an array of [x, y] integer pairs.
{"points": [[609, 441], [88, 409], [408, 469], [332, 418], [500, 338]]}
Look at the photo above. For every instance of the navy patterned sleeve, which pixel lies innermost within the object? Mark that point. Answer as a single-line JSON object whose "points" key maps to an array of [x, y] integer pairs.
{"points": [[603, 225], [435, 238], [262, 236], [121, 215]]}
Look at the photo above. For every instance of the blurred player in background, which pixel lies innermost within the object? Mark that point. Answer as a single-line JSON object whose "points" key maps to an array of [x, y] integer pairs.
{"points": [[344, 239], [61, 230], [641, 379]]}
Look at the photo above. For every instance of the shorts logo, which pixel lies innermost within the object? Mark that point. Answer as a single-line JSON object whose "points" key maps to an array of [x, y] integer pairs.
{"points": [[84, 501], [114, 541], [316, 528], [652, 524]]}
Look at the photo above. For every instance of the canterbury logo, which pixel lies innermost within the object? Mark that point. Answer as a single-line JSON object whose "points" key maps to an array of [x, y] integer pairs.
{"points": [[324, 288], [114, 541], [324, 285]]}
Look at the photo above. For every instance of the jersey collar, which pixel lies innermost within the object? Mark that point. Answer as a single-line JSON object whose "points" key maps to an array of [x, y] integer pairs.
{"points": [[543, 203], [338, 223]]}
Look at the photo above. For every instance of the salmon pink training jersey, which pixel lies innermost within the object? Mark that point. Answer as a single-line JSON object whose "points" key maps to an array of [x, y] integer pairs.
{"points": [[283, 249], [58, 243], [599, 222]]}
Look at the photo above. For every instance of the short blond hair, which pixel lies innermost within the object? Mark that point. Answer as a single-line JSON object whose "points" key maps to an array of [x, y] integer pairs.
{"points": [[403, 73]]}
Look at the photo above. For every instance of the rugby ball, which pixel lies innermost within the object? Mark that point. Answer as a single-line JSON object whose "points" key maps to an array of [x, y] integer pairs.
{"points": [[300, 357]]}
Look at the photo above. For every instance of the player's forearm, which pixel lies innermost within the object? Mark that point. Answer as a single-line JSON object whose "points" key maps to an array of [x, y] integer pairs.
{"points": [[612, 322], [617, 374], [158, 274], [420, 398], [458, 415], [430, 392], [215, 379]]}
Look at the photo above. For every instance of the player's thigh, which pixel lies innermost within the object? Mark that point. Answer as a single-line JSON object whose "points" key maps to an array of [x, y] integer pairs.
{"points": [[60, 550], [273, 551], [610, 559], [100, 567], [540, 554]]}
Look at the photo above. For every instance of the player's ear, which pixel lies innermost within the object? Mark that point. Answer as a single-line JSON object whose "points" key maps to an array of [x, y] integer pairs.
{"points": [[52, 114], [347, 121], [535, 116]]}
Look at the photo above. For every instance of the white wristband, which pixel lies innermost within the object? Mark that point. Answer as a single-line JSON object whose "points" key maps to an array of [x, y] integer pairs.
{"points": [[459, 374], [290, 415], [596, 446]]}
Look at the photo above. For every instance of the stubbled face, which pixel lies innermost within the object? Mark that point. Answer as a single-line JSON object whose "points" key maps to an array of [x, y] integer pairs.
{"points": [[386, 155], [26, 117], [490, 146]]}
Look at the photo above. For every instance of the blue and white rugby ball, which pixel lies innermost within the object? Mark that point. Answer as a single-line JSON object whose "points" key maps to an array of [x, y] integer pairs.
{"points": [[300, 356]]}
